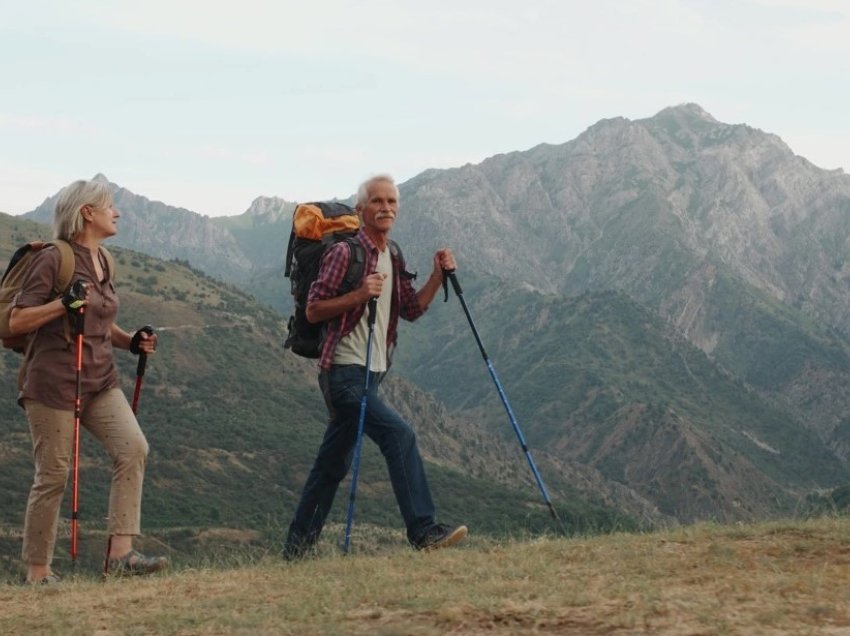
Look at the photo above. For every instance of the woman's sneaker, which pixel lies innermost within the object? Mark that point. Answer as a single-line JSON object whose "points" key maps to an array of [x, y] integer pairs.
{"points": [[135, 564], [440, 536], [47, 579]]}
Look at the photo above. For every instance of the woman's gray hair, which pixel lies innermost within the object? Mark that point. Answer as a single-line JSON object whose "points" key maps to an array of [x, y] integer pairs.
{"points": [[67, 215], [363, 190]]}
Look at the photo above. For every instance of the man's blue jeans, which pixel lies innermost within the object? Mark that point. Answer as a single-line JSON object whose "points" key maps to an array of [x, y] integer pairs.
{"points": [[342, 388]]}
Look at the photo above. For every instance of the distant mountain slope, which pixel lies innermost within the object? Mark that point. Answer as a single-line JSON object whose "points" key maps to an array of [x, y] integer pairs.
{"points": [[602, 381], [167, 232], [262, 230]]}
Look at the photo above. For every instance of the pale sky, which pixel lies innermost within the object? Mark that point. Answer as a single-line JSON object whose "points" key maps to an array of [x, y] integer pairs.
{"points": [[208, 104]]}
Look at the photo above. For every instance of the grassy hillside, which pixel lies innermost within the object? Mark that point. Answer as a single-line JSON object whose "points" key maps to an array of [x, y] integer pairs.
{"points": [[776, 578], [233, 423]]}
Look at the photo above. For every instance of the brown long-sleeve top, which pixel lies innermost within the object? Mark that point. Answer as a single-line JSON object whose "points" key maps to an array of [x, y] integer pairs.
{"points": [[50, 374]]}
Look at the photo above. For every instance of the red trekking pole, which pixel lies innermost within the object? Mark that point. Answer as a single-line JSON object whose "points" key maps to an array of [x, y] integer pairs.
{"points": [[140, 373], [143, 360], [75, 303]]}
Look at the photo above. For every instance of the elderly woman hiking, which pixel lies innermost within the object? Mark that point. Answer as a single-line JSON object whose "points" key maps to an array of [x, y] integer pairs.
{"points": [[84, 216]]}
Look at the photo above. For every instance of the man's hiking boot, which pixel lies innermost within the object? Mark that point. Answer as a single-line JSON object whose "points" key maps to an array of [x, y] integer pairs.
{"points": [[135, 564], [292, 552], [440, 536], [295, 549]]}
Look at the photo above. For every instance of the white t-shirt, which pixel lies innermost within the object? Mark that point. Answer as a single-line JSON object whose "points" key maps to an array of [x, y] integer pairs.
{"points": [[352, 348]]}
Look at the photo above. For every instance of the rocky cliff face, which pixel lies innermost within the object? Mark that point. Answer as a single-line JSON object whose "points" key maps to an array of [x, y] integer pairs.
{"points": [[649, 207], [699, 220], [655, 208], [269, 210]]}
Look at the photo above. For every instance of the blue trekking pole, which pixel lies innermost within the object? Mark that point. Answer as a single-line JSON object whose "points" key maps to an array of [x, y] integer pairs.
{"points": [[372, 306], [456, 286]]}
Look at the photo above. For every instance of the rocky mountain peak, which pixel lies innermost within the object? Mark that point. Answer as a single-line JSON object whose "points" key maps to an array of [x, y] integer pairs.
{"points": [[262, 206], [684, 112]]}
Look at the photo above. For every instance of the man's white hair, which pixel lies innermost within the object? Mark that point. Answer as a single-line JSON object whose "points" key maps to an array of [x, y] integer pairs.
{"points": [[363, 190]]}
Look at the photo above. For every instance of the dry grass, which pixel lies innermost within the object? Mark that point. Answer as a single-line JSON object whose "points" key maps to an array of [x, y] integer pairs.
{"points": [[772, 578]]}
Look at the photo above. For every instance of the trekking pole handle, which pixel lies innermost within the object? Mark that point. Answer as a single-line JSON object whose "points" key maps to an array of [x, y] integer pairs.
{"points": [[75, 304], [372, 308], [75, 298], [134, 348]]}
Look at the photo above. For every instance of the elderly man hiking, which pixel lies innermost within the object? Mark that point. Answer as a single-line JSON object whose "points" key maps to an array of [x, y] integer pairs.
{"points": [[342, 376]]}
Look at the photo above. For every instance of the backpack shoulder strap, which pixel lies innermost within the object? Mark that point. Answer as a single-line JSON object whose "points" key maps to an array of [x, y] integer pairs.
{"points": [[395, 251], [290, 250], [66, 265], [356, 265], [110, 264]]}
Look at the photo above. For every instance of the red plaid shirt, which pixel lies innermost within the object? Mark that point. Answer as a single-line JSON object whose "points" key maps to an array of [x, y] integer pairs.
{"points": [[331, 273]]}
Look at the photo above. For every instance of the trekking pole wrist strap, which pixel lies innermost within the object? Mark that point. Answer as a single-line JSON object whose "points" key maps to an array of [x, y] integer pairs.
{"points": [[449, 275]]}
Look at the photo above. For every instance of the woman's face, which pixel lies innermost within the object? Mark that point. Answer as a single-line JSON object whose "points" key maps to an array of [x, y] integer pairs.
{"points": [[102, 219]]}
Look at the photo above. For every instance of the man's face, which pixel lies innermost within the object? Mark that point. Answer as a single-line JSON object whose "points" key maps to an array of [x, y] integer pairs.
{"points": [[381, 207]]}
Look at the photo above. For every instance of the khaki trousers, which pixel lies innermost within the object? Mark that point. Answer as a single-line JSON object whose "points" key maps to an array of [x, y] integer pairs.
{"points": [[110, 419]]}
